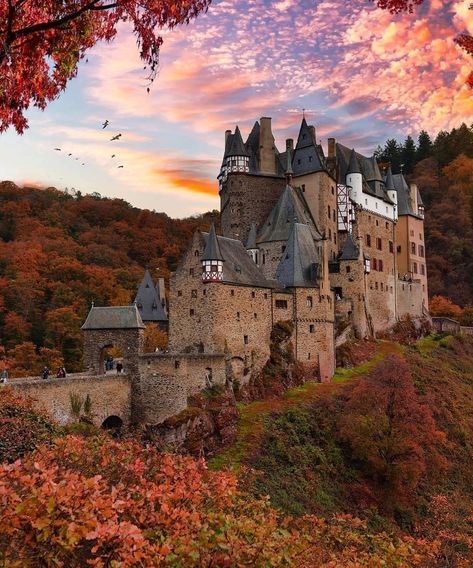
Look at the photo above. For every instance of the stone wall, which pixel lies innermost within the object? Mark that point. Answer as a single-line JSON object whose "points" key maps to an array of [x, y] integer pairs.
{"points": [[247, 199], [409, 299], [110, 396], [380, 284]]}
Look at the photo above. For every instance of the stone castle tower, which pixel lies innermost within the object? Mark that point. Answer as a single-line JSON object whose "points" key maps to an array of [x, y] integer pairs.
{"points": [[324, 242]]}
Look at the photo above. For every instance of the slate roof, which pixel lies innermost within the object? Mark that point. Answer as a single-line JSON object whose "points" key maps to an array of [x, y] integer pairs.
{"points": [[389, 182], [114, 317], [237, 148], [353, 165], [251, 241], [290, 208], [148, 301], [404, 201], [350, 250], [252, 146], [307, 152], [299, 264], [239, 267], [212, 249], [373, 183]]}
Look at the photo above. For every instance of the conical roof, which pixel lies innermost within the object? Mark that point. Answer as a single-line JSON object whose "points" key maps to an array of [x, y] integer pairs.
{"points": [[298, 266], [212, 248], [237, 147], [354, 165], [376, 176], [288, 210], [350, 251], [148, 302], [389, 181], [251, 241], [305, 137]]}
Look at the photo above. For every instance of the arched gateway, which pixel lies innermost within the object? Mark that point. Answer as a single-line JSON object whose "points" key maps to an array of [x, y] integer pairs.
{"points": [[117, 326]]}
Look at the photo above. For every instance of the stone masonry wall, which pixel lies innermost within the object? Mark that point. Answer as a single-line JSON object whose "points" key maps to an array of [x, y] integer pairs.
{"points": [[381, 285], [110, 396], [247, 199], [409, 299]]}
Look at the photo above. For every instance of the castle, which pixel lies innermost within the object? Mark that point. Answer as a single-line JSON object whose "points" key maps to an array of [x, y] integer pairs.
{"points": [[328, 243]]}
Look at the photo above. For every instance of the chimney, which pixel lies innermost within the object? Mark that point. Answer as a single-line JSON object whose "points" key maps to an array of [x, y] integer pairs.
{"points": [[290, 145], [413, 190], [162, 292], [267, 154], [312, 133], [331, 148], [227, 134]]}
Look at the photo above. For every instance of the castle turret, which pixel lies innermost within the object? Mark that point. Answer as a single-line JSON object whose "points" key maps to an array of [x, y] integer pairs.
{"points": [[212, 259], [251, 247], [391, 189], [354, 178]]}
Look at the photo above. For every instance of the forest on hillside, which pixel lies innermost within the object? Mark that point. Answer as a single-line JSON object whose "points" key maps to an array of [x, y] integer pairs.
{"points": [[59, 252], [443, 170]]}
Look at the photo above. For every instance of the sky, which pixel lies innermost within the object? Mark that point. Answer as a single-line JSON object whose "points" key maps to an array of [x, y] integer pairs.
{"points": [[361, 74]]}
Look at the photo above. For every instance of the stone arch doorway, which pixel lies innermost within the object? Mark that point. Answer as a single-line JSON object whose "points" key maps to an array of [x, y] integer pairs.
{"points": [[111, 360], [112, 423]]}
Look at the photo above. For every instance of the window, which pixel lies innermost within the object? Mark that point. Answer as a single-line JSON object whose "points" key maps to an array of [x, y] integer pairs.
{"points": [[281, 304], [420, 236], [308, 355], [283, 248], [368, 240], [253, 294], [333, 215], [191, 312], [255, 315], [298, 162], [330, 234], [238, 316], [328, 211], [376, 285], [334, 238], [377, 222], [303, 188], [310, 158], [391, 246], [311, 328], [374, 263], [333, 190], [380, 265], [348, 269], [204, 291], [265, 296], [422, 269], [177, 364], [379, 243], [264, 259], [196, 253], [309, 301], [412, 233], [415, 267], [413, 248], [245, 339], [387, 225], [232, 292], [421, 251], [179, 293], [194, 294], [191, 272], [382, 289]]}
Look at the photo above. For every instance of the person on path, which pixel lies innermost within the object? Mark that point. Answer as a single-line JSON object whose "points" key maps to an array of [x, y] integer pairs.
{"points": [[119, 368], [46, 373]]}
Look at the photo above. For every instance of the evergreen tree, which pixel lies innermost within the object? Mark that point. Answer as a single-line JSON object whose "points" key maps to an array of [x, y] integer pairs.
{"points": [[408, 155], [424, 146], [391, 154]]}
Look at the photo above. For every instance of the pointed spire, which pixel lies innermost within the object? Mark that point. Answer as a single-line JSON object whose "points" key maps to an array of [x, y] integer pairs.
{"points": [[289, 171], [237, 148], [377, 173], [389, 181], [251, 241], [350, 251], [212, 248], [353, 166]]}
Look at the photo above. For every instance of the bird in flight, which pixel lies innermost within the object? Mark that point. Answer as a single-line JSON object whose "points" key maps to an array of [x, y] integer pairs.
{"points": [[57, 149], [105, 124], [120, 166], [69, 154], [113, 155], [116, 137]]}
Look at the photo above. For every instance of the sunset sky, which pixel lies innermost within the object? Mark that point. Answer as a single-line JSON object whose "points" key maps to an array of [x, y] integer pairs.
{"points": [[362, 75]]}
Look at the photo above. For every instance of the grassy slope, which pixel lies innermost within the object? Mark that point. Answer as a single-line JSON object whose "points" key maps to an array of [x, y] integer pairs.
{"points": [[299, 464]]}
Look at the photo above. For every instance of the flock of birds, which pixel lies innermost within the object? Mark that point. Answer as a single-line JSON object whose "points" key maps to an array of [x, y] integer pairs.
{"points": [[114, 138]]}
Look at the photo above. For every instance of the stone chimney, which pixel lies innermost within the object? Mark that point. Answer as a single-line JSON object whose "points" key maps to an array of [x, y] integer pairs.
{"points": [[413, 190], [331, 148], [162, 292], [267, 153], [312, 133], [227, 134]]}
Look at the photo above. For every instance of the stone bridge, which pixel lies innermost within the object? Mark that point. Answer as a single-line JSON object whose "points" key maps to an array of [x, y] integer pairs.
{"points": [[110, 396]]}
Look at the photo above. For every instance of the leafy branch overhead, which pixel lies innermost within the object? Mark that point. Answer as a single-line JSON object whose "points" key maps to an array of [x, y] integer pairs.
{"points": [[42, 42]]}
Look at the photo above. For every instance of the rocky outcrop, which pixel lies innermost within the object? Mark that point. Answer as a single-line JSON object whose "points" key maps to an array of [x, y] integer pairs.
{"points": [[207, 425]]}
